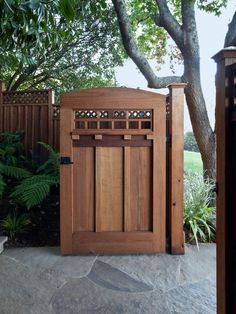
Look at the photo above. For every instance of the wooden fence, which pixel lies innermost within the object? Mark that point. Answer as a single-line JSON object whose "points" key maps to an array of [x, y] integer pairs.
{"points": [[35, 113]]}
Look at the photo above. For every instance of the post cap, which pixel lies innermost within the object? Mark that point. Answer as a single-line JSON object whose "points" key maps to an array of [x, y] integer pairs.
{"points": [[228, 52], [177, 85]]}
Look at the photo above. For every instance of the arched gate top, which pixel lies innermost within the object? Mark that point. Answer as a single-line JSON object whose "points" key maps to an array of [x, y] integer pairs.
{"points": [[111, 97]]}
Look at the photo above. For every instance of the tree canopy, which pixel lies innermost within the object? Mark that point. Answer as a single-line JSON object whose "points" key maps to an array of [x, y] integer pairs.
{"points": [[60, 44], [147, 27], [66, 43]]}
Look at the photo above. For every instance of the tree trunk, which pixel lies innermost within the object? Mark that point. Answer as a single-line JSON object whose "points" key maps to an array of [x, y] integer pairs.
{"points": [[202, 130], [230, 38], [186, 39]]}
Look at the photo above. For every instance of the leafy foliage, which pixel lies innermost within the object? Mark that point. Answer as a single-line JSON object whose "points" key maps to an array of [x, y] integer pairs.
{"points": [[190, 143], [78, 45], [154, 41], [2, 185], [151, 40], [212, 6], [30, 189], [10, 148], [52, 165], [15, 172], [34, 189], [199, 214], [26, 24], [15, 224]]}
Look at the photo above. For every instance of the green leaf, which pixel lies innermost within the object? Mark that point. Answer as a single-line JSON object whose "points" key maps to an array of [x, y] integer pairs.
{"points": [[15, 172], [67, 9], [34, 4], [2, 185], [32, 191], [15, 224]]}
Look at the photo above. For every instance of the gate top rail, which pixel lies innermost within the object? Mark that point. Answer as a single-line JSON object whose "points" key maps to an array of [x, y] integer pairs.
{"points": [[111, 97], [113, 110]]}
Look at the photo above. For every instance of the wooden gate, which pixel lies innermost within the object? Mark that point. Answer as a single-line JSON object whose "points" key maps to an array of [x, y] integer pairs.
{"points": [[113, 173]]}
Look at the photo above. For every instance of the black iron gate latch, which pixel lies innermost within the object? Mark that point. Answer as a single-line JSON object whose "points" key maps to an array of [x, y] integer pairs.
{"points": [[65, 160]]}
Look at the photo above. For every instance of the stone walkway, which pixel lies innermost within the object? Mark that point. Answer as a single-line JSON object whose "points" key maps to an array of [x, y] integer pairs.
{"points": [[40, 281]]}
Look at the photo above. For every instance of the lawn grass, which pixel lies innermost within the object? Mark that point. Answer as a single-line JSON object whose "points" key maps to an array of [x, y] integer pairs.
{"points": [[193, 162]]}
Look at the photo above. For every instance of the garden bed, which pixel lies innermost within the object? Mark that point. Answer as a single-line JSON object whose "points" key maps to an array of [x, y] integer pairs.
{"points": [[44, 227]]}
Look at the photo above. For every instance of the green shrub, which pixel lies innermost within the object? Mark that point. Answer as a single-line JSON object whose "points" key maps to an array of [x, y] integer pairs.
{"points": [[52, 165], [29, 188], [14, 224], [190, 143], [10, 148], [34, 189], [199, 214]]}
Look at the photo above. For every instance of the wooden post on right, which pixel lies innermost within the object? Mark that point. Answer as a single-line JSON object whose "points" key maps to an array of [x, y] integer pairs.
{"points": [[176, 167], [226, 179]]}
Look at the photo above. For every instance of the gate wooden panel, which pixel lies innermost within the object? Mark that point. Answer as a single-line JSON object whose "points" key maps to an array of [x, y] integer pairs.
{"points": [[113, 173]]}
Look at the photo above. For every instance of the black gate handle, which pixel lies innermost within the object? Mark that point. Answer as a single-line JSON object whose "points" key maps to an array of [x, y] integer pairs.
{"points": [[65, 161]]}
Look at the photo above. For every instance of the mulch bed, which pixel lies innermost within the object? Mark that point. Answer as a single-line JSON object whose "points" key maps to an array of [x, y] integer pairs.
{"points": [[44, 229]]}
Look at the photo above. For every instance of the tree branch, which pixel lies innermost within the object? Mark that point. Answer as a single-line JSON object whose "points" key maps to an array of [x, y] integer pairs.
{"points": [[191, 47], [188, 14], [166, 19], [43, 79], [14, 76], [230, 38], [134, 53]]}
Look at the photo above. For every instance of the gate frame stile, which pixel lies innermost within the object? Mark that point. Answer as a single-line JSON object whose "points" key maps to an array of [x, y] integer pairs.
{"points": [[66, 177], [159, 158]]}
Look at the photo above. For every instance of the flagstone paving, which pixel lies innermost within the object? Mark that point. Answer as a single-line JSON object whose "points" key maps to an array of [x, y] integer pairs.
{"points": [[40, 281]]}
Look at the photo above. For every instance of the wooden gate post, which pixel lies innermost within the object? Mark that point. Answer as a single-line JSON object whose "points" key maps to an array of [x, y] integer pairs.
{"points": [[176, 167], [226, 252]]}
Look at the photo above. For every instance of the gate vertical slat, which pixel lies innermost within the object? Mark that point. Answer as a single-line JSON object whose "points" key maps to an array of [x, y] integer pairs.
{"points": [[127, 189]]}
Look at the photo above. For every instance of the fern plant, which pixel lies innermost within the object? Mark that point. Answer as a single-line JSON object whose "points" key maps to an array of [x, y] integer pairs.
{"points": [[34, 189], [11, 171], [9, 166], [14, 224], [199, 214], [11, 147], [52, 165]]}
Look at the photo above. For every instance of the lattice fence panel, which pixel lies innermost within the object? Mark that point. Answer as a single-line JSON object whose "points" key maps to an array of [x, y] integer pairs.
{"points": [[33, 112]]}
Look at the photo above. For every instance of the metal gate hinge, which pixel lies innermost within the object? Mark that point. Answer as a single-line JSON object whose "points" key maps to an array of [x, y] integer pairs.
{"points": [[65, 160], [216, 189], [168, 139]]}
